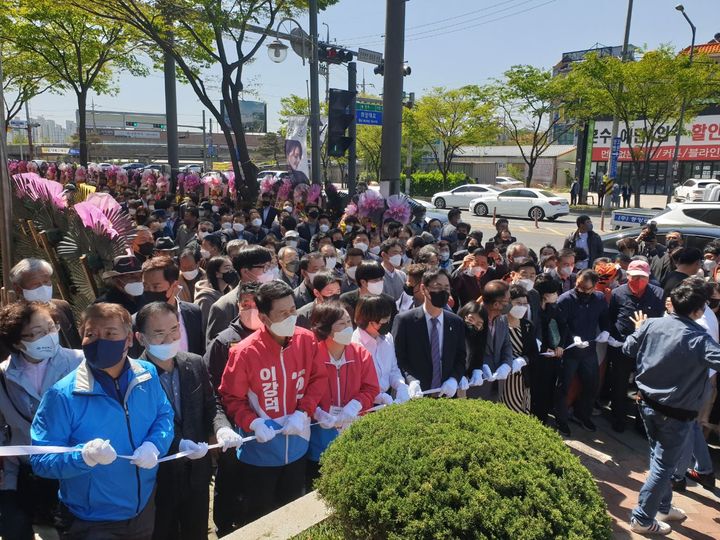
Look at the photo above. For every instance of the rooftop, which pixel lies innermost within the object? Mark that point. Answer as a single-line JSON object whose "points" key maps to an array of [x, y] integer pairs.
{"points": [[554, 150]]}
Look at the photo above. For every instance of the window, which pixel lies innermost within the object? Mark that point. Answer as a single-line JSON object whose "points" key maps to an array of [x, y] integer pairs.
{"points": [[527, 194], [689, 183], [461, 189], [547, 193], [706, 215], [510, 193]]}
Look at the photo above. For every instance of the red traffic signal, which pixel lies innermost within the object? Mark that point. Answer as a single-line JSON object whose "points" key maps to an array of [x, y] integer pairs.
{"points": [[333, 55]]}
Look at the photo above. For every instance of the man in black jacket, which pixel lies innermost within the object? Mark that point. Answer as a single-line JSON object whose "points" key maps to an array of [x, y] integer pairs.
{"points": [[587, 239], [182, 498], [125, 286]]}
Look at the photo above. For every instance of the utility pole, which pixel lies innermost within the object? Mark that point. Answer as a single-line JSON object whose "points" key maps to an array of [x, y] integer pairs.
{"points": [[314, 95], [171, 120], [390, 163], [352, 128], [204, 144], [5, 204], [327, 65], [408, 158], [31, 150]]}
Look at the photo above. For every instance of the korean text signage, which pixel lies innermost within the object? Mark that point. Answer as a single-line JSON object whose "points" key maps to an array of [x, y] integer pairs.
{"points": [[369, 112]]}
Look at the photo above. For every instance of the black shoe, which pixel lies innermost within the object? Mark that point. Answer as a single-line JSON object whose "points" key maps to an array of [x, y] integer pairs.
{"points": [[588, 425], [618, 426], [563, 428], [705, 480], [678, 486]]}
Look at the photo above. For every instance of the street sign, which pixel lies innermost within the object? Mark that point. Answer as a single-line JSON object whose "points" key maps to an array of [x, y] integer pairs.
{"points": [[18, 124], [369, 57], [369, 118], [614, 154]]}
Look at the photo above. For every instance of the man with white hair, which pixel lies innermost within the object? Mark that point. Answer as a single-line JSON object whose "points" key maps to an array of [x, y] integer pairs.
{"points": [[32, 281], [517, 253]]}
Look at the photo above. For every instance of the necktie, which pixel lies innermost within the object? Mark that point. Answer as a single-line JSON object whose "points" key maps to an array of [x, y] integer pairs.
{"points": [[435, 353]]}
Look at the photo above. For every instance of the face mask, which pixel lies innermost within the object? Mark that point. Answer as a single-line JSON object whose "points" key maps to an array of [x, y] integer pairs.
{"points": [[506, 309], [583, 296], [202, 213], [202, 234], [339, 244], [215, 208], [330, 263], [384, 328], [527, 284], [153, 296], [191, 274], [444, 255], [284, 328], [288, 209], [238, 227], [672, 245], [520, 260], [637, 286], [42, 348], [292, 243], [547, 270], [324, 228], [362, 246], [708, 266], [375, 250], [375, 287], [478, 271], [164, 351], [343, 337], [146, 249], [292, 266], [266, 276], [151, 207], [231, 277], [266, 203], [43, 293], [409, 289], [566, 271], [396, 260], [136, 288], [256, 222], [204, 253], [551, 298], [588, 226], [351, 272], [250, 318], [518, 311], [461, 236], [439, 299], [227, 226], [104, 353], [132, 211], [435, 231], [310, 276]]}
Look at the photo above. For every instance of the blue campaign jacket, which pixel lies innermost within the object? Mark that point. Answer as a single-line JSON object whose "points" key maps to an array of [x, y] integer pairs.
{"points": [[76, 410]]}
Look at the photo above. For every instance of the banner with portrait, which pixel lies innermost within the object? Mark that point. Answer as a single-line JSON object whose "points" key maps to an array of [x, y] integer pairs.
{"points": [[296, 149]]}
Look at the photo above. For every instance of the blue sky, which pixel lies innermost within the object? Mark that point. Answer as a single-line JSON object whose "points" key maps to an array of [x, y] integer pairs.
{"points": [[448, 43]]}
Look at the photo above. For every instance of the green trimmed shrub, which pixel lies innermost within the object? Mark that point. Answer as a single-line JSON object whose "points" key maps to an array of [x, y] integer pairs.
{"points": [[438, 468], [426, 184]]}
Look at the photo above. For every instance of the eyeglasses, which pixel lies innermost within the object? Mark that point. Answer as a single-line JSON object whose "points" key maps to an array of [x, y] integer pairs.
{"points": [[39, 333]]}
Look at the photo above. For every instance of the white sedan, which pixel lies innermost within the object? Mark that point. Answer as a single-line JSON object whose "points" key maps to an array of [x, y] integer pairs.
{"points": [[693, 189], [462, 195], [525, 202]]}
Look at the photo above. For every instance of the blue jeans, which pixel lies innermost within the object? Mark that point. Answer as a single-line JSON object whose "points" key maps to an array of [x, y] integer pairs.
{"points": [[667, 438], [695, 447]]}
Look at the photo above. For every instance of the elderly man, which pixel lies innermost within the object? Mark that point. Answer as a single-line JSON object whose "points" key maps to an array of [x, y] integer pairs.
{"points": [[32, 281], [109, 406], [125, 286], [587, 239], [475, 271], [310, 265]]}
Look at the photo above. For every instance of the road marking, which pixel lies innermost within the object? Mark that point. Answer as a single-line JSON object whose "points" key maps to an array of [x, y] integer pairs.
{"points": [[554, 231]]}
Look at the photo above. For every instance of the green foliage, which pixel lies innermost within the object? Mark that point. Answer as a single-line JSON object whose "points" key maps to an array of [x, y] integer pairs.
{"points": [[514, 170], [445, 469], [426, 184]]}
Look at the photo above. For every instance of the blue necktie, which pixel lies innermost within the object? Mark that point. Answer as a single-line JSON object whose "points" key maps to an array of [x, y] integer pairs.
{"points": [[435, 353]]}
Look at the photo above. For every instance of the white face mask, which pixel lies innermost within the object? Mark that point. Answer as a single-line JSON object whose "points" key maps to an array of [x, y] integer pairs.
{"points": [[375, 287], [284, 328], [518, 311], [256, 222], [43, 293], [351, 272], [202, 234], [344, 337], [375, 250], [132, 211], [250, 318], [238, 227], [362, 246], [330, 263], [520, 259], [708, 266], [227, 226], [288, 209], [191, 274], [478, 271], [266, 276], [396, 260], [311, 276], [527, 284], [136, 288], [204, 253], [291, 243], [215, 208], [164, 351], [324, 228], [566, 270], [42, 348]]}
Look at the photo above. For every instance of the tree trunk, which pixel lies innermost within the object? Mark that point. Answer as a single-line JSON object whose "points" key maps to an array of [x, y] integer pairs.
{"points": [[635, 182], [82, 127], [246, 184], [528, 178]]}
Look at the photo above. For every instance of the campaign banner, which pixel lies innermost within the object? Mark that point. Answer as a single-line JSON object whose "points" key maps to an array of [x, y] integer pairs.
{"points": [[296, 149]]}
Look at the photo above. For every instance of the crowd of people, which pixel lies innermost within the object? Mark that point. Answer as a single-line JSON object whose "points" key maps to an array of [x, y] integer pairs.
{"points": [[266, 332]]}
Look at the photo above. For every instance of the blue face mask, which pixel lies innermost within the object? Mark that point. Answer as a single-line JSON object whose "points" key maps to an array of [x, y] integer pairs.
{"points": [[104, 353]]}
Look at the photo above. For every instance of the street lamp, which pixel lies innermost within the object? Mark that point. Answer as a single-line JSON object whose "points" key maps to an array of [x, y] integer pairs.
{"points": [[674, 169], [277, 51]]}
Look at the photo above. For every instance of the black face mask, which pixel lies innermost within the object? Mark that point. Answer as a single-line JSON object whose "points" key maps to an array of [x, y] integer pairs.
{"points": [[461, 236], [231, 277], [713, 303], [154, 296], [146, 250], [583, 296], [439, 299], [384, 328], [313, 215], [266, 203], [672, 245], [333, 298], [293, 267], [339, 244], [409, 289]]}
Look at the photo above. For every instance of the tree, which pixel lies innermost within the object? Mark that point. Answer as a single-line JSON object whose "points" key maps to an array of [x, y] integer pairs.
{"points": [[81, 51], [444, 120], [204, 35], [530, 99], [368, 140], [271, 147], [651, 91]]}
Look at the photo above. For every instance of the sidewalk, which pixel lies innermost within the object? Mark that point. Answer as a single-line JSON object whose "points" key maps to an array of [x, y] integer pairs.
{"points": [[619, 464]]}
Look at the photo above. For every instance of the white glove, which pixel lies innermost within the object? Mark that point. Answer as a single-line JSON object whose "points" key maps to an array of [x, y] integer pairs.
{"points": [[349, 413], [615, 343], [414, 390], [502, 372], [98, 452], [326, 420], [229, 438], [463, 385], [383, 399], [518, 364], [487, 374], [449, 388], [263, 432], [579, 343], [297, 423], [476, 379], [146, 456], [199, 450], [603, 337], [402, 393]]}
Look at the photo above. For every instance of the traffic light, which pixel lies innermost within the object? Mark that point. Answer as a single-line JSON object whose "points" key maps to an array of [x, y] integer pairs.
{"points": [[380, 69], [333, 55], [131, 124], [159, 126], [341, 114]]}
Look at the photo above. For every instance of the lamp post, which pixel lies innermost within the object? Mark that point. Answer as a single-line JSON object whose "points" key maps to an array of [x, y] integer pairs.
{"points": [[673, 171]]}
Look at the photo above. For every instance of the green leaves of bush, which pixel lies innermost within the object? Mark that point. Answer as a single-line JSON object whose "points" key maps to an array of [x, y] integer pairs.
{"points": [[458, 469], [426, 184]]}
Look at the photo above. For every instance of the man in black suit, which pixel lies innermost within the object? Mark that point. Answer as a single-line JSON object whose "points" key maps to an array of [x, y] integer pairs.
{"points": [[310, 227], [267, 212], [430, 341], [160, 280], [182, 497]]}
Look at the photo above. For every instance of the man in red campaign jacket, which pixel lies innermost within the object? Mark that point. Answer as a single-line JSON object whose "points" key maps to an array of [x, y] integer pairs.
{"points": [[271, 386]]}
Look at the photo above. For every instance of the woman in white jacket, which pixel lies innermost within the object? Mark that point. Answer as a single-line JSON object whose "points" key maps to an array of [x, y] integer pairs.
{"points": [[372, 316]]}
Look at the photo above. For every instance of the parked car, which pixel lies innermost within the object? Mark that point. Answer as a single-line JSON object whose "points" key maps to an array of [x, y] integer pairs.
{"points": [[132, 166], [462, 195], [430, 211], [264, 174], [697, 236], [692, 213], [105, 166], [196, 168], [527, 202], [692, 189], [505, 182]]}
